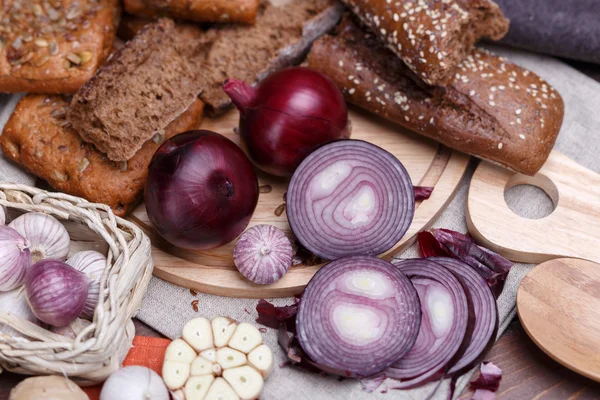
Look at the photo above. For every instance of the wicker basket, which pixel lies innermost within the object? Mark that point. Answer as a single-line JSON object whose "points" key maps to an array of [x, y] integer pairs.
{"points": [[100, 349]]}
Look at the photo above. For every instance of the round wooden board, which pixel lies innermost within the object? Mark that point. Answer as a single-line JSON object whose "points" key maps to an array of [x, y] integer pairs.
{"points": [[428, 164], [559, 306]]}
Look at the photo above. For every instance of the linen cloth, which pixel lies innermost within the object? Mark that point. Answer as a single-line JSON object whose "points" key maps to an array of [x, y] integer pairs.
{"points": [[166, 307]]}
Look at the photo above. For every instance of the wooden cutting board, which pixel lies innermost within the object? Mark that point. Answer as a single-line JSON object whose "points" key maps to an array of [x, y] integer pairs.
{"points": [[428, 164], [559, 306], [572, 230]]}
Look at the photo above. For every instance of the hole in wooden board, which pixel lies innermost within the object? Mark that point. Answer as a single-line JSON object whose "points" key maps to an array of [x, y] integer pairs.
{"points": [[532, 197]]}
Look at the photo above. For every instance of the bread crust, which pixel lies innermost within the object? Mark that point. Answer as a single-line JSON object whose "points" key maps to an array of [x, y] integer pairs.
{"points": [[55, 50], [240, 11], [431, 36], [492, 108], [38, 137]]}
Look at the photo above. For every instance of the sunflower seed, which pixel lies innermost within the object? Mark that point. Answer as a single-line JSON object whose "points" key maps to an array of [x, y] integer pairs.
{"points": [[17, 43], [83, 164], [73, 58], [37, 10], [59, 113], [85, 56], [123, 166], [42, 61], [53, 48], [40, 43]]}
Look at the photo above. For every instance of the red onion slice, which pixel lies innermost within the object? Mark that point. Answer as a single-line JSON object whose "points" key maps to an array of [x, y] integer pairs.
{"points": [[357, 316], [483, 318], [350, 197], [444, 320]]}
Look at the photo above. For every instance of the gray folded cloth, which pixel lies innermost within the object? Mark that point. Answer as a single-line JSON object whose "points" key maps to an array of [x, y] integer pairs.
{"points": [[564, 28]]}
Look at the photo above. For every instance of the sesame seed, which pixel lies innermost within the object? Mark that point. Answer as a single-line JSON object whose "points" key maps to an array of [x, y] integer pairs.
{"points": [[406, 118], [492, 103], [356, 81], [383, 31], [431, 121], [500, 146], [522, 136], [519, 121], [518, 111], [472, 93], [396, 17], [351, 91], [341, 63]]}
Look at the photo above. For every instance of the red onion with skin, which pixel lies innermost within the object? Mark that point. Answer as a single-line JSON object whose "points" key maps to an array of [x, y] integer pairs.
{"points": [[287, 116], [350, 197], [444, 321], [488, 382], [201, 190], [357, 316], [56, 292]]}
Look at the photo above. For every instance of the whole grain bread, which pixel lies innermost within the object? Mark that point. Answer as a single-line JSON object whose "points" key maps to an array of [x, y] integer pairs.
{"points": [[431, 36], [38, 137], [54, 47], [142, 88], [241, 11], [492, 108]]}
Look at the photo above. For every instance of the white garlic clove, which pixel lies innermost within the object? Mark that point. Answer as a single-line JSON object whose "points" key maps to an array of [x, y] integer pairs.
{"points": [[197, 387], [46, 236], [16, 258], [210, 355], [175, 374], [178, 395], [198, 333], [178, 350], [246, 381], [245, 338], [230, 358], [261, 358], [221, 390], [223, 329], [93, 265], [201, 366]]}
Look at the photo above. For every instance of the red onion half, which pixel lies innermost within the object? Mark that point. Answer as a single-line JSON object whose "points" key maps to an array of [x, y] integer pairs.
{"points": [[287, 116], [444, 320], [350, 197], [201, 190], [357, 316], [483, 315]]}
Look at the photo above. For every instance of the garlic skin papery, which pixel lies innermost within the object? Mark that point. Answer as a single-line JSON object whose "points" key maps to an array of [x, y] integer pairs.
{"points": [[73, 329], [2, 216], [15, 258], [93, 265], [134, 383], [46, 236], [15, 303]]}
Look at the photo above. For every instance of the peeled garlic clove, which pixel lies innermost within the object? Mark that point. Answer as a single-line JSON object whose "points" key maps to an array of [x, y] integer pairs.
{"points": [[47, 237], [178, 395], [210, 355], [198, 333], [221, 390], [175, 374], [93, 265], [245, 338], [261, 358], [223, 329], [178, 350], [197, 387], [246, 381], [263, 254], [201, 366], [16, 259], [230, 358]]}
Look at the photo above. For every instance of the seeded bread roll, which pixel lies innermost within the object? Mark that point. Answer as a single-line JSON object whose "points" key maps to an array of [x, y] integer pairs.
{"points": [[492, 108], [431, 36], [242, 11], [54, 47], [141, 89], [38, 137]]}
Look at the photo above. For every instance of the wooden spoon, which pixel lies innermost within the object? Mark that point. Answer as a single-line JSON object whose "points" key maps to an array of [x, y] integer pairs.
{"points": [[558, 303]]}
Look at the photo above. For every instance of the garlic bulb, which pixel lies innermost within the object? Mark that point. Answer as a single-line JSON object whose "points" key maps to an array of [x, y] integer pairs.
{"points": [[16, 258], [93, 265], [15, 303], [134, 383], [47, 237], [73, 329]]}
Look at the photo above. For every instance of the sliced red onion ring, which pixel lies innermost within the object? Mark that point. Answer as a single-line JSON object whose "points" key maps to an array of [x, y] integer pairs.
{"points": [[483, 315], [357, 316], [350, 197], [444, 320]]}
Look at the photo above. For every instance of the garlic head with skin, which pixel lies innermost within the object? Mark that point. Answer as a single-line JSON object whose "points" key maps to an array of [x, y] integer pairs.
{"points": [[134, 383], [16, 259], [92, 264], [46, 236], [15, 303]]}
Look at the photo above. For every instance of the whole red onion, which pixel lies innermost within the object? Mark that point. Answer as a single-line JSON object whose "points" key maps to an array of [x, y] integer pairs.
{"points": [[201, 190], [287, 116]]}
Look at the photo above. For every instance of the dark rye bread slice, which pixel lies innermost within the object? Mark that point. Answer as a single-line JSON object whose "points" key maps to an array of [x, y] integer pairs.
{"points": [[492, 108], [140, 90], [431, 36]]}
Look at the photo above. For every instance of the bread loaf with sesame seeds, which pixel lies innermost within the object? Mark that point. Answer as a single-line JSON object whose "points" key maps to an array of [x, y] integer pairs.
{"points": [[492, 109], [54, 47], [240, 11], [431, 36], [38, 137]]}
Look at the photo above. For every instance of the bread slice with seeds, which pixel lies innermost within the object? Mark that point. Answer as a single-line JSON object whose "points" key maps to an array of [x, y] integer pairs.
{"points": [[54, 47], [40, 138], [431, 36], [492, 108]]}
